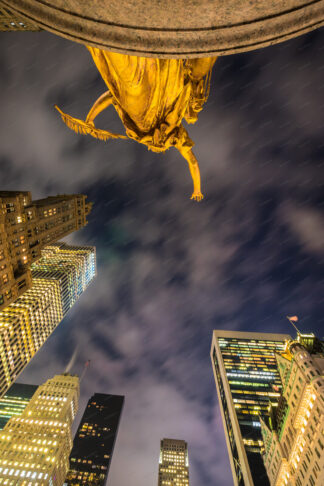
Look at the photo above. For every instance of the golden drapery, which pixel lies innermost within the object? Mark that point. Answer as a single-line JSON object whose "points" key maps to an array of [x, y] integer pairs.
{"points": [[152, 97]]}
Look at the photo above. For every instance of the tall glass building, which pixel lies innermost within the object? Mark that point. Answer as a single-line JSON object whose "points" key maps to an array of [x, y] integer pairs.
{"points": [[72, 266], [59, 278], [247, 380], [94, 441], [15, 401]]}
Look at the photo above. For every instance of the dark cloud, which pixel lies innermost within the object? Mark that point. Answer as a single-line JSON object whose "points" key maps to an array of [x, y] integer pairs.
{"points": [[170, 270]]}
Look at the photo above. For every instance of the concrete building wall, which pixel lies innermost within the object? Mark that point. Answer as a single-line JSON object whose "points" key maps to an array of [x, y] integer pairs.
{"points": [[294, 449]]}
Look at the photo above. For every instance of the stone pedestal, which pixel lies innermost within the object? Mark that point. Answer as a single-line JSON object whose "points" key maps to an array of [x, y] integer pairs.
{"points": [[173, 28]]}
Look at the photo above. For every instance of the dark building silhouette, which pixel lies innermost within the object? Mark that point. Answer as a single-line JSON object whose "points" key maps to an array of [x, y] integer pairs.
{"points": [[94, 441]]}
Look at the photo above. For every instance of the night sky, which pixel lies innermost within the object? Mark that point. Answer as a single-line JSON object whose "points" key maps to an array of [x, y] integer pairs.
{"points": [[171, 270]]}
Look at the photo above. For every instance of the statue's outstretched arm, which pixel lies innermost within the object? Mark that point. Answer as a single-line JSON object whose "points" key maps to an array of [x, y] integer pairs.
{"points": [[194, 171], [101, 104]]}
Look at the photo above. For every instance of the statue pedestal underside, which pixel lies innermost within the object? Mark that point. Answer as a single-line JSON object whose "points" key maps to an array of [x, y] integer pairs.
{"points": [[173, 28]]}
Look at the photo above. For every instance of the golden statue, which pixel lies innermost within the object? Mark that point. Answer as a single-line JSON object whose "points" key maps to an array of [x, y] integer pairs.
{"points": [[151, 97]]}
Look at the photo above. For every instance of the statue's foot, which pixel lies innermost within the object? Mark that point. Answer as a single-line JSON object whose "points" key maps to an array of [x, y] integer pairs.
{"points": [[197, 196]]}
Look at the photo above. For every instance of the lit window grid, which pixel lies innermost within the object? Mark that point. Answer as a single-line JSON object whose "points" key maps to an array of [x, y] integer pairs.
{"points": [[239, 346], [252, 372], [78, 264], [33, 224], [98, 427], [28, 322], [24, 327], [12, 406], [36, 446], [294, 452], [173, 467]]}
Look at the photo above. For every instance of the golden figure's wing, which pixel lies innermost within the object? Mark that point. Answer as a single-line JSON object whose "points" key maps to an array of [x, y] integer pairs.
{"points": [[80, 126]]}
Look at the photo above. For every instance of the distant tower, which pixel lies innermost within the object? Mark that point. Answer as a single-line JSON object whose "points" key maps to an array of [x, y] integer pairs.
{"points": [[247, 381], [26, 227], [293, 434], [15, 401], [10, 21], [35, 447], [94, 441], [173, 463], [59, 278]]}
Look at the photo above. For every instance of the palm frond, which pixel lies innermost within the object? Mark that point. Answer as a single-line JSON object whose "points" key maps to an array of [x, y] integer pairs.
{"points": [[80, 126]]}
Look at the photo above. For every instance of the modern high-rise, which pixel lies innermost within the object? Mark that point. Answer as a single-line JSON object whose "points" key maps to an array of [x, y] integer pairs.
{"points": [[14, 402], [293, 434], [247, 381], [73, 266], [35, 447], [94, 441], [26, 227], [173, 463], [59, 278], [9, 21]]}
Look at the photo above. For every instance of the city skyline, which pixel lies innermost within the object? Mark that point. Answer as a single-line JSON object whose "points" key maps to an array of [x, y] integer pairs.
{"points": [[171, 272]]}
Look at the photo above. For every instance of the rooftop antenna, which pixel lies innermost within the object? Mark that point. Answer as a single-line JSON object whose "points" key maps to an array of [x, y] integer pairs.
{"points": [[85, 368], [293, 319]]}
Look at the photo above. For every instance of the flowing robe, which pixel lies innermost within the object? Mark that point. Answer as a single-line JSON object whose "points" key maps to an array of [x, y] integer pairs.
{"points": [[151, 96]]}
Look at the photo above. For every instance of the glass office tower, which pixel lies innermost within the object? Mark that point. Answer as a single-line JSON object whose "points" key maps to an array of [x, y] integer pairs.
{"points": [[94, 441], [247, 380]]}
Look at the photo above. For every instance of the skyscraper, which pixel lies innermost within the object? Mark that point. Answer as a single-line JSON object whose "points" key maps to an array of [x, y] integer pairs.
{"points": [[11, 21], [173, 463], [293, 434], [73, 266], [27, 323], [94, 441], [35, 447], [15, 401], [247, 380], [26, 227]]}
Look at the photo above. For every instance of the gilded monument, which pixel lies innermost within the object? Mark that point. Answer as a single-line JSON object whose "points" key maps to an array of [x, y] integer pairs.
{"points": [[152, 97]]}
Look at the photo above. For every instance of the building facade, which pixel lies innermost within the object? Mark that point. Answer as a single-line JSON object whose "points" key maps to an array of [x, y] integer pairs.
{"points": [[26, 324], [14, 402], [73, 266], [26, 227], [294, 432], [35, 447], [94, 441], [247, 380], [9, 21], [173, 463]]}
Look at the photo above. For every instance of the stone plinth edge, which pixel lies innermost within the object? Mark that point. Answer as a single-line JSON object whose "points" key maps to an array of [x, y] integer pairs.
{"points": [[173, 28]]}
